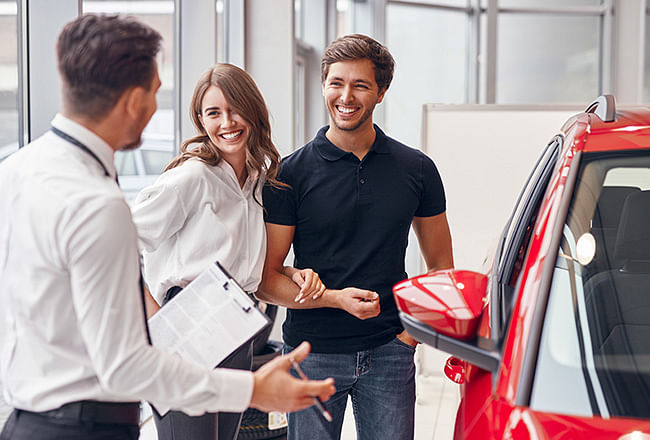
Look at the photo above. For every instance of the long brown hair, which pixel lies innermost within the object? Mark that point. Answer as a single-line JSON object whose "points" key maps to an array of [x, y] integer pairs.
{"points": [[244, 97]]}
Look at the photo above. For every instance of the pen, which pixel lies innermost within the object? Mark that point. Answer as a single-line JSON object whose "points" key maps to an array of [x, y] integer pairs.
{"points": [[319, 403]]}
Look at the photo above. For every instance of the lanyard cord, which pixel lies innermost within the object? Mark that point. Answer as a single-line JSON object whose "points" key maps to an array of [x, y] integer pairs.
{"points": [[76, 143]]}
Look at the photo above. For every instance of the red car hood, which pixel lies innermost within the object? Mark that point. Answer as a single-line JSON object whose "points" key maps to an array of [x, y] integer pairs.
{"points": [[527, 424]]}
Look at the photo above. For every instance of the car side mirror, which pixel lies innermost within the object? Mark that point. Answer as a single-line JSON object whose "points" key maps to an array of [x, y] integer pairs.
{"points": [[449, 301], [443, 309]]}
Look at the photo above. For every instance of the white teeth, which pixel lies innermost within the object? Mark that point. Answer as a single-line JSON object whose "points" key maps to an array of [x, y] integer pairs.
{"points": [[346, 110], [232, 135]]}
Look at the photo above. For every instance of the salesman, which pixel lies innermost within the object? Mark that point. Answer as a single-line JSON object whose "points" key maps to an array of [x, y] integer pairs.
{"points": [[76, 358]]}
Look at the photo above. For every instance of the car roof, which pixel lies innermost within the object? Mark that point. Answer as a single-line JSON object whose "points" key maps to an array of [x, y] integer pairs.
{"points": [[629, 129]]}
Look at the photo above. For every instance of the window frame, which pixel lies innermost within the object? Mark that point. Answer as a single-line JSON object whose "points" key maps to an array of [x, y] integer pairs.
{"points": [[482, 75], [514, 237]]}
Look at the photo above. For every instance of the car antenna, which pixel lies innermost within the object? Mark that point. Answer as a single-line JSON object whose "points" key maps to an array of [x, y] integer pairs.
{"points": [[604, 107]]}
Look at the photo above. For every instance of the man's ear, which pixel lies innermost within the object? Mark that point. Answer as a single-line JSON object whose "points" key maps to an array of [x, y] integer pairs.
{"points": [[382, 93], [133, 99]]}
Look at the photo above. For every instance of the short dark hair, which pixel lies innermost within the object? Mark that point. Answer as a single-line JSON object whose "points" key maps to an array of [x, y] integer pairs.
{"points": [[356, 47], [100, 57]]}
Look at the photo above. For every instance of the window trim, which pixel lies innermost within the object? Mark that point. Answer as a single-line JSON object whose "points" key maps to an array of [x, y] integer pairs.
{"points": [[508, 249]]}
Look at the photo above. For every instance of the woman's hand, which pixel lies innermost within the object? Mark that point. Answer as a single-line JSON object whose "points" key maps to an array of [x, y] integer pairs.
{"points": [[309, 282]]}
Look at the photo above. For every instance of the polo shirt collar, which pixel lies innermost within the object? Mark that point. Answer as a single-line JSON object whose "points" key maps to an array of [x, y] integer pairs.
{"points": [[331, 152]]}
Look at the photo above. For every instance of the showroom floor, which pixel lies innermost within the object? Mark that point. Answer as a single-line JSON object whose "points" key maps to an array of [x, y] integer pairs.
{"points": [[437, 400]]}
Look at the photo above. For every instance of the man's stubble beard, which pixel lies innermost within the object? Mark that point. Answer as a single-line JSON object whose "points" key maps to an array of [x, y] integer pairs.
{"points": [[363, 119]]}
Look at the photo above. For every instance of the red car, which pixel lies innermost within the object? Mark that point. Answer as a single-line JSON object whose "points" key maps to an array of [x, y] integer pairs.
{"points": [[554, 342]]}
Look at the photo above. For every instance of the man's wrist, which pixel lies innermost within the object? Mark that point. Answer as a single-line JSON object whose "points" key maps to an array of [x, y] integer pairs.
{"points": [[330, 298]]}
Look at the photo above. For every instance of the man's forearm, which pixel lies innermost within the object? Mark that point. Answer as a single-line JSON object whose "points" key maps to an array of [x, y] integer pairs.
{"points": [[278, 288]]}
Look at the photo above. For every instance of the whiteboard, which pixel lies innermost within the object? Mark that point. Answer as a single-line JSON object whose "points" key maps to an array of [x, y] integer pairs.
{"points": [[484, 154]]}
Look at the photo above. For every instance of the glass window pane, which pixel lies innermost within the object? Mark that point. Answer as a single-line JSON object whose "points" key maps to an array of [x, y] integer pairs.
{"points": [[433, 70], [125, 163], [547, 59], [544, 3], [594, 356], [343, 18], [298, 19], [8, 78], [221, 26], [459, 3], [159, 133], [155, 161]]}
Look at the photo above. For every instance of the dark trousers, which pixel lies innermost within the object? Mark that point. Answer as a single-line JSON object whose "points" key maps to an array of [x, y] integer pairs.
{"points": [[176, 425], [23, 425]]}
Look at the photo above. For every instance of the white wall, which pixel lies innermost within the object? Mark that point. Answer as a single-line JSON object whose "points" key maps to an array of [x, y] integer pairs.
{"points": [[484, 154]]}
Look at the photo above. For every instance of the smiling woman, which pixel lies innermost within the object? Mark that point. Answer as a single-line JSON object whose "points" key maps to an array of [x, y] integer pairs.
{"points": [[206, 207]]}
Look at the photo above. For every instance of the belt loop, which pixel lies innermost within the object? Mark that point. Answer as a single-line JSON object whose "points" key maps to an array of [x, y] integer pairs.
{"points": [[87, 412]]}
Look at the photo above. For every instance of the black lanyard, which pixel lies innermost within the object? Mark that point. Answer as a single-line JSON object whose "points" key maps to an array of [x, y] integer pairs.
{"points": [[76, 143]]}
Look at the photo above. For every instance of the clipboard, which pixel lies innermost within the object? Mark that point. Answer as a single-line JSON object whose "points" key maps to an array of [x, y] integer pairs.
{"points": [[207, 320]]}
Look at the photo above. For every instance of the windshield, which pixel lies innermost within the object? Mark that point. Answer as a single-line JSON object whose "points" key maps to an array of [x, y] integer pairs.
{"points": [[594, 355]]}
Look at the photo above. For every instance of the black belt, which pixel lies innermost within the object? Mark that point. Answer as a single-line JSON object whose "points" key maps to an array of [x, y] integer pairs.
{"points": [[88, 411]]}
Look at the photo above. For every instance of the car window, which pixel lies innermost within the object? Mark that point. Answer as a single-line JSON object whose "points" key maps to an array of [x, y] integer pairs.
{"points": [[594, 356], [517, 233], [156, 161], [125, 163]]}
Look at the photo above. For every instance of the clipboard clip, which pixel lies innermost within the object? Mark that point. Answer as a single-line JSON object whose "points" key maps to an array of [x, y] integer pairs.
{"points": [[226, 286]]}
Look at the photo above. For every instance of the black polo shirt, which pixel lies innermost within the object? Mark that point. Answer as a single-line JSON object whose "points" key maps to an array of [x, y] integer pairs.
{"points": [[352, 222]]}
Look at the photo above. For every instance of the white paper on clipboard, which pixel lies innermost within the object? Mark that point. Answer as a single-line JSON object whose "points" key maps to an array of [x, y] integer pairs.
{"points": [[208, 319]]}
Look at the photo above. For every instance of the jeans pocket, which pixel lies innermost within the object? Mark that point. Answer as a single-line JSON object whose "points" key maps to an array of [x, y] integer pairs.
{"points": [[401, 343]]}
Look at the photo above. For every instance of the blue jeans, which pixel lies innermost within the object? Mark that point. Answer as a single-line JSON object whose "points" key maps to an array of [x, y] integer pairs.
{"points": [[381, 383]]}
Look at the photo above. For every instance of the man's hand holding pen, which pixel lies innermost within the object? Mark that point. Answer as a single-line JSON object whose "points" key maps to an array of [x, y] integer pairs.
{"points": [[276, 389]]}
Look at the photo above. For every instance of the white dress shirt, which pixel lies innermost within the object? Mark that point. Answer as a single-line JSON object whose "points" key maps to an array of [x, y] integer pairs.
{"points": [[194, 215], [69, 267]]}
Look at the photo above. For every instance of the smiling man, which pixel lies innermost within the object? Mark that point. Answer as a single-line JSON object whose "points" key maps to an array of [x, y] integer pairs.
{"points": [[353, 195]]}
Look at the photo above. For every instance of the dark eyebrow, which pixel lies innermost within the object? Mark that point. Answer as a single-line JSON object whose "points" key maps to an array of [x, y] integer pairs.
{"points": [[356, 81], [214, 107]]}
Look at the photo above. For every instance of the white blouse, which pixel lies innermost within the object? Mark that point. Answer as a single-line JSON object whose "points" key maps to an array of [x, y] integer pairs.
{"points": [[194, 215]]}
